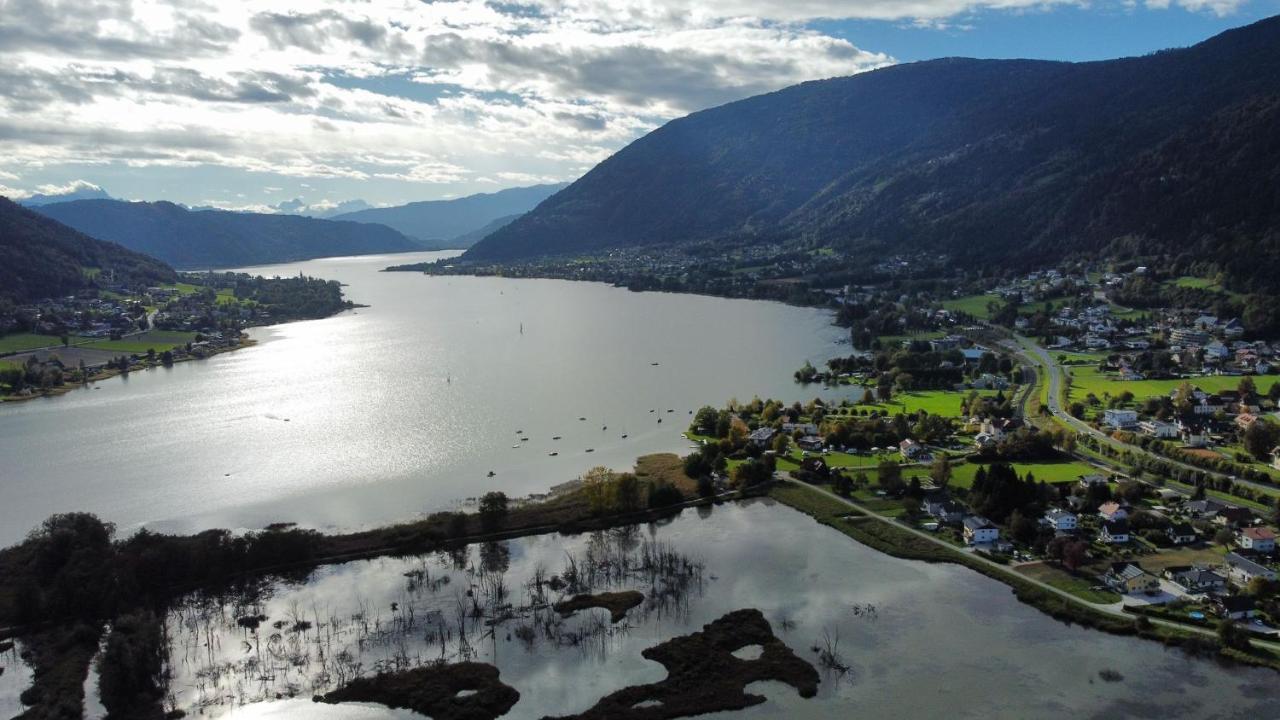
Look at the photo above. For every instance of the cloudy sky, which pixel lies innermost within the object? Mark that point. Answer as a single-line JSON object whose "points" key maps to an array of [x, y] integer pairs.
{"points": [[234, 103]]}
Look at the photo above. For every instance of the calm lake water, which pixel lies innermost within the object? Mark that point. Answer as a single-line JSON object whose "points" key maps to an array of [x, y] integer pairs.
{"points": [[920, 640], [402, 407]]}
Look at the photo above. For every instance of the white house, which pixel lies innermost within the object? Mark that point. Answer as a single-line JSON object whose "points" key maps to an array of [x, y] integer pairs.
{"points": [[1087, 481], [1060, 520], [1181, 533], [1257, 539], [979, 530], [910, 449], [1240, 569], [1158, 429], [1120, 419]]}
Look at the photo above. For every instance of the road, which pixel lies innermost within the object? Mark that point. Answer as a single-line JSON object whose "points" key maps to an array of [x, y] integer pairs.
{"points": [[1044, 360], [1112, 609]]}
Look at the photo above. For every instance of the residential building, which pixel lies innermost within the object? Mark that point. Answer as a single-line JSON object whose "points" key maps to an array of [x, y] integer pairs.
{"points": [[1158, 429], [1128, 577], [979, 530], [1112, 510], [1181, 534], [943, 510], [1119, 418], [1234, 517], [910, 449], [1235, 607], [761, 436], [1257, 539], [1275, 458], [1204, 509], [1114, 532], [1087, 481], [1060, 520], [1195, 579], [1240, 569]]}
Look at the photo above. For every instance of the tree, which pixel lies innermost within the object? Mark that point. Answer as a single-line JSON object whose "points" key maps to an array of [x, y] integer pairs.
{"points": [[1231, 636], [626, 491], [597, 488], [1261, 438], [1075, 554], [890, 475], [842, 484], [1246, 388], [940, 473], [493, 509], [1224, 537], [780, 444]]}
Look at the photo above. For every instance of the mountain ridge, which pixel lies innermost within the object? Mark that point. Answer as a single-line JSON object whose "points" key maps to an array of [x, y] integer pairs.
{"points": [[440, 224], [968, 158], [213, 238], [41, 257]]}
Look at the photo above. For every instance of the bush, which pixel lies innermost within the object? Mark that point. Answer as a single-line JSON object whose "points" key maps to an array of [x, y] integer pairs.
{"points": [[664, 495]]}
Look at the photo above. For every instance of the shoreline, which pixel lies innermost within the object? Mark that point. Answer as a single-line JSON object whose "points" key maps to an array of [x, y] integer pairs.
{"points": [[107, 374]]}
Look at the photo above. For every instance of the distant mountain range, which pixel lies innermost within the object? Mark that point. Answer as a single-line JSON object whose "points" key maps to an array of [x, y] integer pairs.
{"points": [[1007, 162], [213, 238], [40, 257], [455, 223]]}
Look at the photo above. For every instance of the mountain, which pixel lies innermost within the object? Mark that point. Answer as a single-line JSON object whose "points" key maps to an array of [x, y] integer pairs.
{"points": [[213, 238], [40, 257], [437, 222], [78, 190], [1020, 161], [466, 240], [321, 210]]}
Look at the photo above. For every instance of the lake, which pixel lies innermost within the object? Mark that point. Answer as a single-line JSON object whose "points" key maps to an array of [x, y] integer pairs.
{"points": [[919, 639], [402, 407]]}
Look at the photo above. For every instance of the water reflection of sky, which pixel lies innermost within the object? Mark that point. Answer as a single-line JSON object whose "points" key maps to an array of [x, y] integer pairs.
{"points": [[15, 676], [942, 639]]}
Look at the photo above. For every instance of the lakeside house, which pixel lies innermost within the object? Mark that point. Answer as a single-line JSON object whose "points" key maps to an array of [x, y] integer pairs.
{"points": [[979, 530], [944, 510], [1195, 579], [1257, 539], [1129, 577], [1240, 569], [761, 437], [1235, 607]]}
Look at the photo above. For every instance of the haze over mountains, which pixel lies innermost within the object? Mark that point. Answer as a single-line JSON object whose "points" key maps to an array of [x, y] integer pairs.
{"points": [[212, 238], [436, 223], [40, 257], [1020, 161]]}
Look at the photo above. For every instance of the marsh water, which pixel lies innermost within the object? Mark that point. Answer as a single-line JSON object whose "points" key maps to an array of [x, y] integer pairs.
{"points": [[401, 407], [919, 640]]}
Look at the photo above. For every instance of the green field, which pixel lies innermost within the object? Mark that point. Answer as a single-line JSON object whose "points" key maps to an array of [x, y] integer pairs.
{"points": [[975, 305], [158, 340], [887, 340], [945, 403], [1050, 472], [1085, 380], [26, 341]]}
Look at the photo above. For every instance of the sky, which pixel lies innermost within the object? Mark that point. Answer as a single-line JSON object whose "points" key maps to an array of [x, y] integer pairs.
{"points": [[243, 104]]}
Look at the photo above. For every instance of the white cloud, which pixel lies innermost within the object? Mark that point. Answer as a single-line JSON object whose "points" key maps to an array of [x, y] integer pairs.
{"points": [[431, 94]]}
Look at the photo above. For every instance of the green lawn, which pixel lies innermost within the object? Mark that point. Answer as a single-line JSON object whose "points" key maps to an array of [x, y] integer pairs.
{"points": [[945, 403], [1077, 358], [1085, 380], [158, 340], [1074, 584], [887, 340], [18, 342], [975, 305], [1050, 472]]}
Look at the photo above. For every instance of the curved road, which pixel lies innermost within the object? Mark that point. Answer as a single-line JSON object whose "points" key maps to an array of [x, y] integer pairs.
{"points": [[1113, 609], [1043, 359]]}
